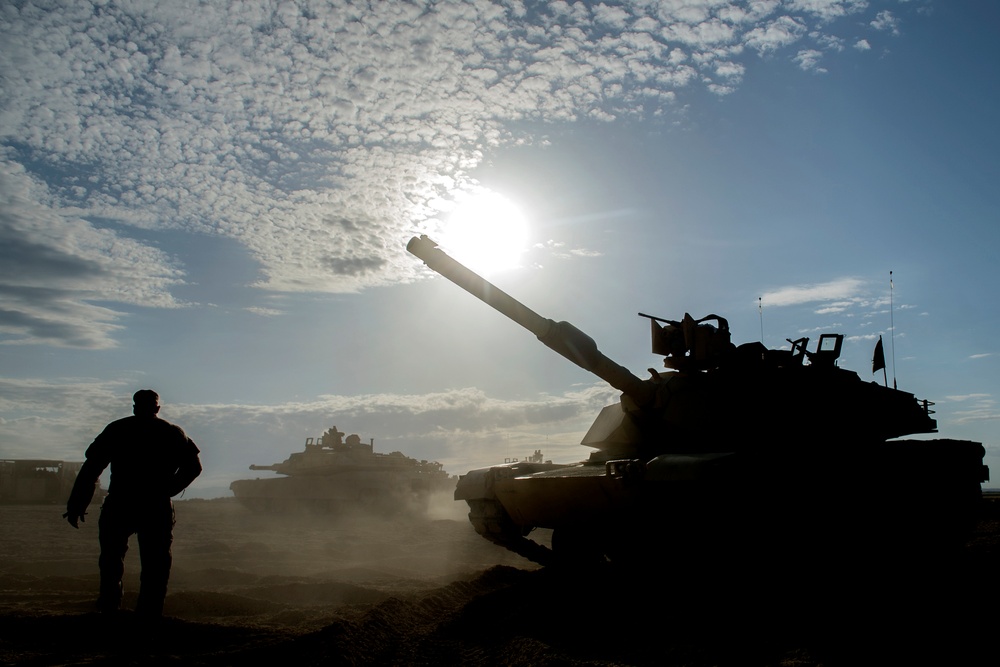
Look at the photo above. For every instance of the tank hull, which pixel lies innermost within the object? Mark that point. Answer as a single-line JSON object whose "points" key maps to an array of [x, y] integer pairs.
{"points": [[701, 507], [368, 491]]}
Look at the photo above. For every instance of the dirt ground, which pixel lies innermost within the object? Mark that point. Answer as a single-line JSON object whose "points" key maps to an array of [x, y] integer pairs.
{"points": [[253, 589]]}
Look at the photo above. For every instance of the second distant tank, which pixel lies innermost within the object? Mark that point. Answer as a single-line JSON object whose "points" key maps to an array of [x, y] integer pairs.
{"points": [[333, 475]]}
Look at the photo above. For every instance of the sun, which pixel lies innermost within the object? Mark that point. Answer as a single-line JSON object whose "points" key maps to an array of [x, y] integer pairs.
{"points": [[487, 232]]}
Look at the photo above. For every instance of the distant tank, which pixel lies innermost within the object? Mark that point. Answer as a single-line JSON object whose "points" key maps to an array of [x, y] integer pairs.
{"points": [[334, 475], [38, 481], [731, 453], [536, 457]]}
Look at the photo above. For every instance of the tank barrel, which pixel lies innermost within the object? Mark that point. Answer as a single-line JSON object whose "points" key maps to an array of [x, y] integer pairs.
{"points": [[561, 337]]}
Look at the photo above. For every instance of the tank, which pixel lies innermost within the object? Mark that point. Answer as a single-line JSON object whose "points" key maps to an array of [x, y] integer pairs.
{"points": [[334, 475], [39, 481], [732, 449]]}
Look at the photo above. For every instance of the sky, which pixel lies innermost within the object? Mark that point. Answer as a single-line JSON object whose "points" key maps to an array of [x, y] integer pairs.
{"points": [[213, 200]]}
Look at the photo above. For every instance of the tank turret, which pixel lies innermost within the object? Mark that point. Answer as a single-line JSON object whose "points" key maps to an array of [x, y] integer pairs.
{"points": [[713, 390], [725, 431]]}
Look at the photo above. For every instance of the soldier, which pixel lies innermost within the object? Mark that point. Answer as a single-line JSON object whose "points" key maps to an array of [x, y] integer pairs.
{"points": [[151, 461]]}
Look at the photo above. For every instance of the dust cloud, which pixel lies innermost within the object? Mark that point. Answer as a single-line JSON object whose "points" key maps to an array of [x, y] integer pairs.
{"points": [[443, 506], [252, 588]]}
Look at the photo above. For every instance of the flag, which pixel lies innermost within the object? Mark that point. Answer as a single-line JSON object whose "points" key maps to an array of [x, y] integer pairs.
{"points": [[878, 361]]}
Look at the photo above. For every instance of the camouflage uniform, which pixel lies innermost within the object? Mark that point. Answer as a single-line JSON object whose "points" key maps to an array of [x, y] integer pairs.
{"points": [[151, 460]]}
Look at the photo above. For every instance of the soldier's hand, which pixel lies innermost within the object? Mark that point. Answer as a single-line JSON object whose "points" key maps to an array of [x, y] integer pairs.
{"points": [[75, 517]]}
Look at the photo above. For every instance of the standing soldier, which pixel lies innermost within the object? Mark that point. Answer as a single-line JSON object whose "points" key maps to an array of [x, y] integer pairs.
{"points": [[151, 461]]}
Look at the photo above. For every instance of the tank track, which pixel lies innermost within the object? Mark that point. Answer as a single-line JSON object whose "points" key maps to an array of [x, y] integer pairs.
{"points": [[491, 520]]}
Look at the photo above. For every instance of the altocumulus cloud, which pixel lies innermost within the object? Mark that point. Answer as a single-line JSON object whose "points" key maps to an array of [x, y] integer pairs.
{"points": [[319, 135]]}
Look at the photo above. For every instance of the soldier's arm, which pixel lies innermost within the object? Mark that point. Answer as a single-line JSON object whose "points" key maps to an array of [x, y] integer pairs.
{"points": [[86, 482], [187, 471]]}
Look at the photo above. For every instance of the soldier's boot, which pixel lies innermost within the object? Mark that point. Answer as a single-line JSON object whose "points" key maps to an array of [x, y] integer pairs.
{"points": [[110, 599]]}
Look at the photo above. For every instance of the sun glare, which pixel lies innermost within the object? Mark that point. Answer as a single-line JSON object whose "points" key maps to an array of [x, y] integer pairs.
{"points": [[487, 232]]}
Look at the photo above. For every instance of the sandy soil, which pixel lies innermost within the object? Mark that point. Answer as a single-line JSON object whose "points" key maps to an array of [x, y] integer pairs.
{"points": [[251, 589]]}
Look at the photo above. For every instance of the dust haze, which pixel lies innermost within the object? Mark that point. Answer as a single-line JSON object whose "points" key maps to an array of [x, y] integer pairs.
{"points": [[222, 550], [308, 589]]}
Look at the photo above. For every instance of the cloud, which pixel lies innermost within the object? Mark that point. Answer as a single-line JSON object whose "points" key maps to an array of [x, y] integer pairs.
{"points": [[835, 307], [840, 292], [463, 428], [968, 397], [57, 419], [778, 34], [264, 312], [827, 10], [974, 408], [54, 267], [885, 21], [808, 60], [320, 137], [828, 42]]}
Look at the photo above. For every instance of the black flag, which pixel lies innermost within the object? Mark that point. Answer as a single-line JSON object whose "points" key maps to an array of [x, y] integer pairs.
{"points": [[878, 361]]}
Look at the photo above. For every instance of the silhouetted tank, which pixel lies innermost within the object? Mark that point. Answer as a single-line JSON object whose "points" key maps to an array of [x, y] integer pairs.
{"points": [[334, 475], [38, 481], [733, 448]]}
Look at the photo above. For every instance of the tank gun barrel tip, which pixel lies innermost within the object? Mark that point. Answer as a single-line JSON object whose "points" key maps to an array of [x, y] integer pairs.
{"points": [[420, 244]]}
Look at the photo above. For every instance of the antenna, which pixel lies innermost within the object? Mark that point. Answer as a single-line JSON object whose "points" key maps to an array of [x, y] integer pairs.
{"points": [[892, 333], [760, 312]]}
